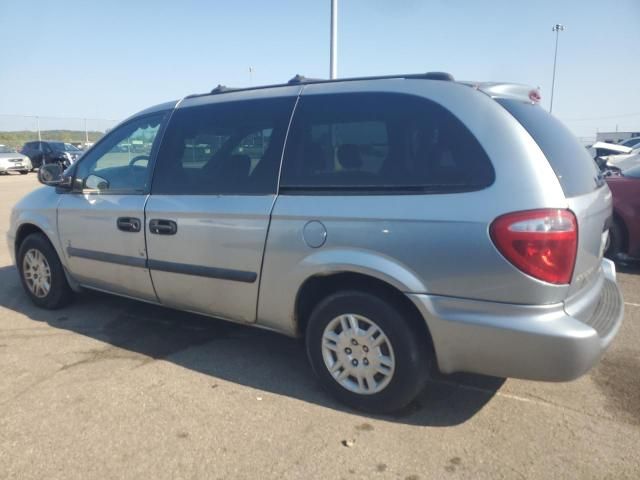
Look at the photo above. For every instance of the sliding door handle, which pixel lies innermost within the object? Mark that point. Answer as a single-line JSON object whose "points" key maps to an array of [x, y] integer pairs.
{"points": [[163, 227]]}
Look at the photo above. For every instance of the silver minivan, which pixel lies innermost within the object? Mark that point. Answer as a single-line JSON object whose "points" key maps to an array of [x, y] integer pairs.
{"points": [[398, 224]]}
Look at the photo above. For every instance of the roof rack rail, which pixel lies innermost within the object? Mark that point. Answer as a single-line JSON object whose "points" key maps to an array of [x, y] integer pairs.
{"points": [[445, 76], [298, 79], [222, 89], [302, 80]]}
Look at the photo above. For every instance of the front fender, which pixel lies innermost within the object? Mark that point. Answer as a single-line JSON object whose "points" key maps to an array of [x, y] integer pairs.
{"points": [[39, 209]]}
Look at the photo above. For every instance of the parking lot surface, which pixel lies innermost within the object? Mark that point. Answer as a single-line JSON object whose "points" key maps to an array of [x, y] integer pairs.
{"points": [[113, 388]]}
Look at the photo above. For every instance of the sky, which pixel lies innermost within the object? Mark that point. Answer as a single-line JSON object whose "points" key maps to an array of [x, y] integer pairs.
{"points": [[109, 59]]}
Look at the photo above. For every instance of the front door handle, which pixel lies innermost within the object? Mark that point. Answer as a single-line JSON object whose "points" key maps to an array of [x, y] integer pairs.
{"points": [[129, 224], [163, 227]]}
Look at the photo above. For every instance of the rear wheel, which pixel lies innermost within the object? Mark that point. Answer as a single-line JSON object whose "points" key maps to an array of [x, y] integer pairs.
{"points": [[365, 351], [42, 274], [24, 172]]}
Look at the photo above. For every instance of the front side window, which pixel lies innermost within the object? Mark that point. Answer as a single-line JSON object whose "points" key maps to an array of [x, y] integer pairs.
{"points": [[223, 148], [381, 142], [120, 163]]}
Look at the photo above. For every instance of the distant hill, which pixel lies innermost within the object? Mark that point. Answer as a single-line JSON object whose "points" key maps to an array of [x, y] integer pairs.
{"points": [[19, 138]]}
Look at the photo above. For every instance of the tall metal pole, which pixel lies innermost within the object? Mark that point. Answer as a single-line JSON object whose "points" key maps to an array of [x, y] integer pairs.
{"points": [[333, 70], [556, 28], [86, 132], [38, 127]]}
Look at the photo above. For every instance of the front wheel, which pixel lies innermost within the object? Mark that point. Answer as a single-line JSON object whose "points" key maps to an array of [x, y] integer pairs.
{"points": [[366, 352], [24, 172], [42, 274]]}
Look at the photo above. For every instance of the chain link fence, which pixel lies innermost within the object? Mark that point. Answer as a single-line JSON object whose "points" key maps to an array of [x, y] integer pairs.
{"points": [[16, 130]]}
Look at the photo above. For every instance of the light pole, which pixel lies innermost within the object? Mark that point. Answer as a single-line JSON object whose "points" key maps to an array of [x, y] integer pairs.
{"points": [[556, 28], [333, 68]]}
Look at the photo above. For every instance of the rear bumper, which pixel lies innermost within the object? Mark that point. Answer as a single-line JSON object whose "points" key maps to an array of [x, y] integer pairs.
{"points": [[531, 342]]}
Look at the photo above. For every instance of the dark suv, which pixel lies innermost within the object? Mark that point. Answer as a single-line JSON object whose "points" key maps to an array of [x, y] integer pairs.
{"points": [[43, 152]]}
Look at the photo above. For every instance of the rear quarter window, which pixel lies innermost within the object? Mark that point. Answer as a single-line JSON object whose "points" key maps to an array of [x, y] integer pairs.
{"points": [[381, 143], [572, 164]]}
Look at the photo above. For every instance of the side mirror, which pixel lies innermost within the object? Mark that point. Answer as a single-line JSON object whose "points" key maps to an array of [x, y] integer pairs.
{"points": [[51, 175]]}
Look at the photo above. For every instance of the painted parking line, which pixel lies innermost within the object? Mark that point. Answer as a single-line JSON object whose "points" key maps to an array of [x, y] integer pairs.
{"points": [[632, 304]]}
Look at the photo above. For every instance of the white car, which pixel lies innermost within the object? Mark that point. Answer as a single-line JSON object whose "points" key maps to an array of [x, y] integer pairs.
{"points": [[12, 161], [624, 158], [604, 149]]}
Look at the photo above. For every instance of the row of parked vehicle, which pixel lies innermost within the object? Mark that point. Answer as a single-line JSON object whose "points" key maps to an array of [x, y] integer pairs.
{"points": [[33, 155], [620, 164]]}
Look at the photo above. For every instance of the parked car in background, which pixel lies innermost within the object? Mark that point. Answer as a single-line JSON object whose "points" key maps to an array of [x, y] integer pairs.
{"points": [[601, 152], [396, 223], [631, 142], [46, 151], [624, 159], [624, 183], [12, 161]]}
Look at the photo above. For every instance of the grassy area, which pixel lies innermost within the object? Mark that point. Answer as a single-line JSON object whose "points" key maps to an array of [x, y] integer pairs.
{"points": [[19, 138]]}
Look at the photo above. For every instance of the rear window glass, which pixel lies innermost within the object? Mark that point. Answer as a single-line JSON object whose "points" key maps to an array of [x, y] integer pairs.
{"points": [[382, 142], [572, 164]]}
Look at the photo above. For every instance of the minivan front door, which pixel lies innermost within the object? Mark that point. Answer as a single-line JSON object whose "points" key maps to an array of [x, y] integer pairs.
{"points": [[101, 221], [213, 190]]}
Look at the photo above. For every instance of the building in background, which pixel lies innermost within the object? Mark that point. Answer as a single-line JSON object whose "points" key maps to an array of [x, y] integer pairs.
{"points": [[615, 137]]}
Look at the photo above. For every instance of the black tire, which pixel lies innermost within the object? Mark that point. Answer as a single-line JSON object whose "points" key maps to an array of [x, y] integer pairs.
{"points": [[24, 172], [616, 241], [412, 358], [59, 294]]}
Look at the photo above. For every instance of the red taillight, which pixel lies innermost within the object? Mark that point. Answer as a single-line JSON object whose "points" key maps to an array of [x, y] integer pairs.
{"points": [[541, 243]]}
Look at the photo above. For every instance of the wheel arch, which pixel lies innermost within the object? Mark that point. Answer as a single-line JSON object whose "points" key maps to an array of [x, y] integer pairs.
{"points": [[29, 227], [318, 287], [619, 220], [23, 232]]}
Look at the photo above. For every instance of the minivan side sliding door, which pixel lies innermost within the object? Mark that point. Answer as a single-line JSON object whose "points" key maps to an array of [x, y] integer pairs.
{"points": [[213, 189]]}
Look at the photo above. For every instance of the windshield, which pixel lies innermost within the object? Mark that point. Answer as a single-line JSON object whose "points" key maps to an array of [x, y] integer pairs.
{"points": [[632, 142], [633, 172], [5, 149]]}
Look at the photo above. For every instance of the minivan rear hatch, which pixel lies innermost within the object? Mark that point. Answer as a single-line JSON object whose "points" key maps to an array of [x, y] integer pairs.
{"points": [[582, 183]]}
